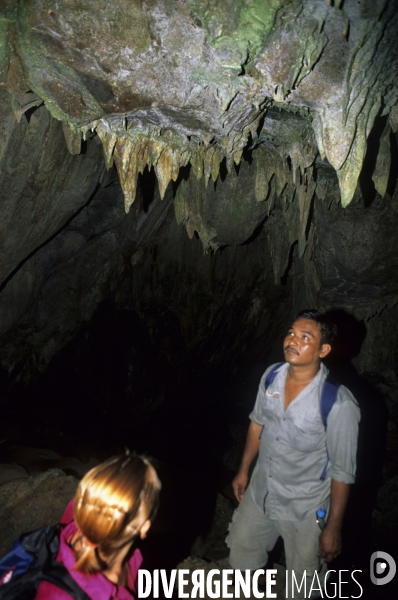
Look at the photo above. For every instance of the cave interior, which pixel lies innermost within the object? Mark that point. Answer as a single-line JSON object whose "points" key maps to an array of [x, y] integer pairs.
{"points": [[178, 180]]}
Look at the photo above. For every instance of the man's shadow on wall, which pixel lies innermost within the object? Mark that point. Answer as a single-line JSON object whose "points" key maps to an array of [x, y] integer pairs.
{"points": [[371, 440]]}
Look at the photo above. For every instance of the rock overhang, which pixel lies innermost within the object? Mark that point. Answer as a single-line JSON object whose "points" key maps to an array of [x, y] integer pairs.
{"points": [[167, 84]]}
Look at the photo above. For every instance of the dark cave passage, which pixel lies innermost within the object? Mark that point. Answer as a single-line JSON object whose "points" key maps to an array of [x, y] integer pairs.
{"points": [[111, 388]]}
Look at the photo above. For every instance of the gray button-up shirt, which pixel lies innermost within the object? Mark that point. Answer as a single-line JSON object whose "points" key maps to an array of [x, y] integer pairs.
{"points": [[293, 447]]}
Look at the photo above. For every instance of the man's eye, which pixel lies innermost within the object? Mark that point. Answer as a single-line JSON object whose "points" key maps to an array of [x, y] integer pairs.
{"points": [[305, 338]]}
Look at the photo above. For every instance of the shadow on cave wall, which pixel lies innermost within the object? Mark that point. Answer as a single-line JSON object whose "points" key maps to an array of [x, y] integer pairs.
{"points": [[371, 441], [366, 182]]}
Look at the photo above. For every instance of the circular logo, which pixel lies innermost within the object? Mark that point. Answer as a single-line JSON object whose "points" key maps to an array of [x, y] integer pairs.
{"points": [[382, 568]]}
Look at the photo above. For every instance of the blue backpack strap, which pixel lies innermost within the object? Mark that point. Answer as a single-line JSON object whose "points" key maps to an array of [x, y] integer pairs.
{"points": [[268, 380], [271, 375], [33, 559], [14, 563], [330, 389]]}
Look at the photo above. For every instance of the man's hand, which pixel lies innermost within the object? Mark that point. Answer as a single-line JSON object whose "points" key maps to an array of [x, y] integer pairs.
{"points": [[239, 484], [330, 543], [330, 538]]}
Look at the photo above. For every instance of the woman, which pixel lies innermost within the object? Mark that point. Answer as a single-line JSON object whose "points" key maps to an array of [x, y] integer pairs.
{"points": [[115, 503]]}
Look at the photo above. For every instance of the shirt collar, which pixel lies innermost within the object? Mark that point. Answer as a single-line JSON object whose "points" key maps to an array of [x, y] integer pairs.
{"points": [[278, 385]]}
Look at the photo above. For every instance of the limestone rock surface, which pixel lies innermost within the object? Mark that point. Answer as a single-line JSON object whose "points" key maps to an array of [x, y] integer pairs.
{"points": [[170, 83], [27, 504]]}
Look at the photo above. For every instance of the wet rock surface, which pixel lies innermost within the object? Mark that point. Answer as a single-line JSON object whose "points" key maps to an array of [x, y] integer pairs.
{"points": [[36, 484], [29, 503], [256, 149], [193, 79]]}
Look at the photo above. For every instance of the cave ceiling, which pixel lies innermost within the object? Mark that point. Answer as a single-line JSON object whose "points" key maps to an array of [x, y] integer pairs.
{"points": [[169, 83], [261, 120]]}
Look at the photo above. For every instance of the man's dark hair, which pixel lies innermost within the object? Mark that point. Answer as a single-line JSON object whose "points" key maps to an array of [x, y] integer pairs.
{"points": [[328, 328]]}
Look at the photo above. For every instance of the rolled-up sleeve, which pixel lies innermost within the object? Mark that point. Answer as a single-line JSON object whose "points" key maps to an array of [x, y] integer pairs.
{"points": [[257, 413], [342, 437]]}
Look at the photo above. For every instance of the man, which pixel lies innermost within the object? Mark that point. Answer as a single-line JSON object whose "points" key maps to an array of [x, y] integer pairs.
{"points": [[287, 488]]}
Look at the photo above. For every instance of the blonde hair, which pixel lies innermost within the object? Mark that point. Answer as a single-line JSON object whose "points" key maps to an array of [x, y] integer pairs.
{"points": [[112, 501]]}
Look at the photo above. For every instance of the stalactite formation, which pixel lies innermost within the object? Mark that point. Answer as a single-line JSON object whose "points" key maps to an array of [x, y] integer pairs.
{"points": [[194, 82], [258, 121]]}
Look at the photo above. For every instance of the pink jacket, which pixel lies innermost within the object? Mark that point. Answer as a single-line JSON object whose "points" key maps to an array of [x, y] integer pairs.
{"points": [[96, 586]]}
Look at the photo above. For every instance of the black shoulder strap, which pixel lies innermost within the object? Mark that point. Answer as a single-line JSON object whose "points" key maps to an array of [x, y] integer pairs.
{"points": [[58, 574], [43, 545], [25, 586]]}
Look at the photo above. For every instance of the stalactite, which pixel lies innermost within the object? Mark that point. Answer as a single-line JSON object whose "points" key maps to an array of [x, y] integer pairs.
{"points": [[73, 139], [108, 139], [164, 170], [176, 163], [190, 228], [143, 156], [130, 184], [215, 170], [208, 163], [351, 169], [155, 150], [122, 154], [261, 186], [197, 162], [305, 197], [229, 163], [238, 156], [383, 163], [281, 177]]}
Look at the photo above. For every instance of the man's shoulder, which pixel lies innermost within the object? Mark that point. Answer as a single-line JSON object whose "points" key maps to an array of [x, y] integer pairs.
{"points": [[345, 409], [345, 395], [269, 375], [274, 368]]}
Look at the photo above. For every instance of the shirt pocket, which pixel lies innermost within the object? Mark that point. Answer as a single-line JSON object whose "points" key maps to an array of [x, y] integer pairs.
{"points": [[270, 411], [305, 436]]}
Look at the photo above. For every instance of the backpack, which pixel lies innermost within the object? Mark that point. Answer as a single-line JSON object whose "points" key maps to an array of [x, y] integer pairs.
{"points": [[329, 393], [32, 559]]}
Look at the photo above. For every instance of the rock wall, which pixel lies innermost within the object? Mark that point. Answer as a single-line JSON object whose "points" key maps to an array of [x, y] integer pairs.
{"points": [[239, 130], [210, 270], [168, 83]]}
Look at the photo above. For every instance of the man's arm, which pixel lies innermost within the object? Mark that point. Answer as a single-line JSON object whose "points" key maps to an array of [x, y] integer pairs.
{"points": [[239, 484], [330, 538], [341, 442]]}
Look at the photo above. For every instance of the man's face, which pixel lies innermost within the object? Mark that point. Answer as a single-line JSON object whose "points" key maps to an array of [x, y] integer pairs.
{"points": [[302, 345]]}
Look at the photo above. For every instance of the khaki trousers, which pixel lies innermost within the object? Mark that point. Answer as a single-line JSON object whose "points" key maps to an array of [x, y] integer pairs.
{"points": [[253, 534]]}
